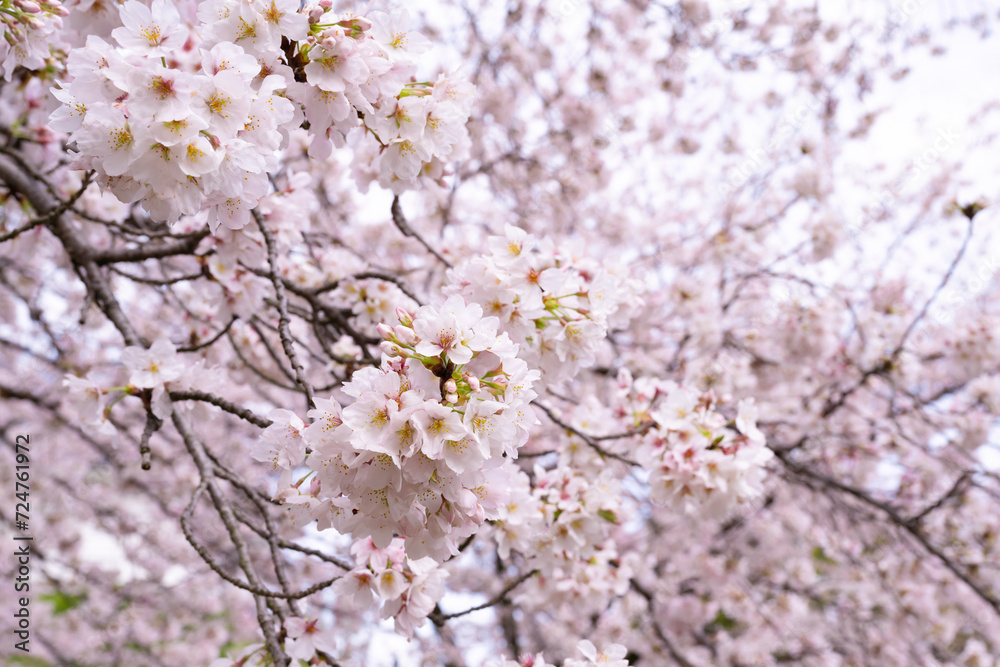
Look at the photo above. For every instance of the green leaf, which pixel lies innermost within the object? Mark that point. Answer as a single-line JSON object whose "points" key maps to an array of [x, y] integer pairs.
{"points": [[63, 602], [28, 661], [608, 515], [820, 556], [723, 621]]}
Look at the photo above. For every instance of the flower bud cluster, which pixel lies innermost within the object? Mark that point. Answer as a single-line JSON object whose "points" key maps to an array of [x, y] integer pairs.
{"points": [[408, 588], [29, 28], [201, 132], [418, 452], [157, 368], [555, 307]]}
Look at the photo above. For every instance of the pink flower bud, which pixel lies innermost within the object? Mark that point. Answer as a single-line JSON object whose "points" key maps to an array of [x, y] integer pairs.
{"points": [[473, 383], [389, 348], [28, 6], [479, 515], [450, 386], [404, 317], [385, 331], [315, 14], [314, 487], [326, 4], [405, 334]]}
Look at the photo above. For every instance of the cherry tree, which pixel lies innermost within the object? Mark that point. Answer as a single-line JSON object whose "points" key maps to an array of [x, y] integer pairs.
{"points": [[546, 332]]}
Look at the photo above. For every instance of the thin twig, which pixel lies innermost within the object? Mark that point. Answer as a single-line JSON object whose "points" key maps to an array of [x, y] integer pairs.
{"points": [[283, 318], [660, 634], [944, 281], [211, 341], [439, 619], [952, 492], [404, 226], [184, 246], [225, 511], [586, 438]]}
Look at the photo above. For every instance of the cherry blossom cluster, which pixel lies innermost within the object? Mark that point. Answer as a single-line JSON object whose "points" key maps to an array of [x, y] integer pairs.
{"points": [[418, 452], [613, 655], [698, 460], [408, 588], [30, 29], [202, 130], [561, 513], [553, 303], [372, 301], [304, 639], [157, 369], [201, 134], [364, 66], [562, 522]]}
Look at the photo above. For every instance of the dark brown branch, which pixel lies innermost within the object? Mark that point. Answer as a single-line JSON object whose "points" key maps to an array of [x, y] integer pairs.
{"points": [[80, 254], [377, 275], [232, 408], [944, 281], [910, 526], [152, 425], [158, 281], [955, 489], [184, 246], [211, 341]]}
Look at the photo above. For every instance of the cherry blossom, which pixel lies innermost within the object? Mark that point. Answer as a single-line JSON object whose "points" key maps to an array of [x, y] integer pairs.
{"points": [[558, 333]]}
